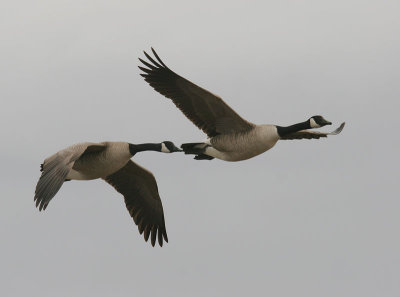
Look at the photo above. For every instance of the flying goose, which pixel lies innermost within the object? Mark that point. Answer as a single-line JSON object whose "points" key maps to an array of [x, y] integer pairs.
{"points": [[230, 137], [112, 162]]}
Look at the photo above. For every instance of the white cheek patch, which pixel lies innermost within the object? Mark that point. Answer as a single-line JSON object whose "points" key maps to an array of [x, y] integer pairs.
{"points": [[164, 148], [314, 124]]}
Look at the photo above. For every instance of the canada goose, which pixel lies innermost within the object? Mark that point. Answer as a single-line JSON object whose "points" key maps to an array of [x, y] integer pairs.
{"points": [[230, 137], [111, 162]]}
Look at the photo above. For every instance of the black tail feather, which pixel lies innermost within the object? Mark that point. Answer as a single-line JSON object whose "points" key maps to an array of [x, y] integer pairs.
{"points": [[194, 148], [198, 149]]}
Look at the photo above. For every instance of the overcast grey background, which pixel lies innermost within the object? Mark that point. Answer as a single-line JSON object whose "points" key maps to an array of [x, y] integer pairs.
{"points": [[308, 218]]}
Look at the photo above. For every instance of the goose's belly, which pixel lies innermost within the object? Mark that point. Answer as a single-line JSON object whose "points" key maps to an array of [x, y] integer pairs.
{"points": [[243, 147], [88, 168], [239, 154]]}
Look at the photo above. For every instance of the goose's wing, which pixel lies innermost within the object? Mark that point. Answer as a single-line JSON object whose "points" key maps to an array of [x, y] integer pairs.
{"points": [[56, 168], [139, 187], [308, 134], [206, 110]]}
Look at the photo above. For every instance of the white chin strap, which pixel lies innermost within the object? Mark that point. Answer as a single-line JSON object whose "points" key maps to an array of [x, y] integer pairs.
{"points": [[164, 148], [314, 124]]}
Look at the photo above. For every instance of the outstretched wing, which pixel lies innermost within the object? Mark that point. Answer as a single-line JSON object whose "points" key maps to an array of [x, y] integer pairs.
{"points": [[206, 110], [56, 168], [309, 134], [139, 187]]}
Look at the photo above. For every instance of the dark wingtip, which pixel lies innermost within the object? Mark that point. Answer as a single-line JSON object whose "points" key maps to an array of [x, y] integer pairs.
{"points": [[153, 235], [146, 233], [41, 167], [158, 58], [152, 60], [165, 235], [141, 229], [141, 60], [144, 69]]}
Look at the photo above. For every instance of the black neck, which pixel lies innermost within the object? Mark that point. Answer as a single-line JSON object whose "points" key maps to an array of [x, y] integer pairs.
{"points": [[293, 128], [135, 148]]}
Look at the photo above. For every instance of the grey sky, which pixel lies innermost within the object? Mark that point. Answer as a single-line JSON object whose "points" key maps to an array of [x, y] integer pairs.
{"points": [[308, 218]]}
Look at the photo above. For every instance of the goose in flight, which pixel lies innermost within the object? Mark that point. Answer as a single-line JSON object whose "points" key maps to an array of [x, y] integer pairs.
{"points": [[230, 137], [112, 162]]}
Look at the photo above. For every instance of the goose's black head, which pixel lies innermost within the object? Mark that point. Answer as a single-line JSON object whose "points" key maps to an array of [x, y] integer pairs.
{"points": [[169, 147], [318, 121]]}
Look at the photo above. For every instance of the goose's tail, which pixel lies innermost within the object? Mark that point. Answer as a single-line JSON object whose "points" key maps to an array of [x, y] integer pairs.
{"points": [[198, 149], [194, 148]]}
